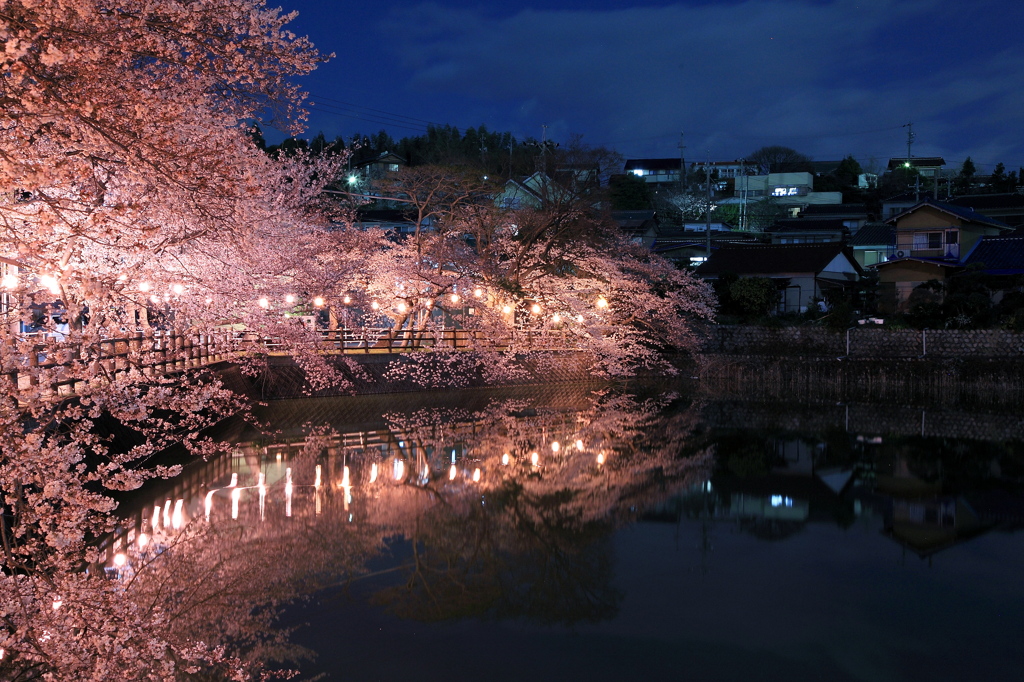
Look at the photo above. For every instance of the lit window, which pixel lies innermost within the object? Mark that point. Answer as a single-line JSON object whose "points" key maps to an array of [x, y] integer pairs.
{"points": [[924, 241]]}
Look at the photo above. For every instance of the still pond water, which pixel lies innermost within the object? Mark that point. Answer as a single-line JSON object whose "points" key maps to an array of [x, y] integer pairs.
{"points": [[568, 533]]}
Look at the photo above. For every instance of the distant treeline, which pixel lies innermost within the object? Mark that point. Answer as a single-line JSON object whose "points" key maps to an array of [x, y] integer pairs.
{"points": [[492, 152]]}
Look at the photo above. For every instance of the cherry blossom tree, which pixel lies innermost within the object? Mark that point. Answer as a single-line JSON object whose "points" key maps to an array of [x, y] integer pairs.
{"points": [[555, 277], [132, 198]]}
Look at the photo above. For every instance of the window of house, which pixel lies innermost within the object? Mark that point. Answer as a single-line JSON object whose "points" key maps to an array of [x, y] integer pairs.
{"points": [[927, 241]]}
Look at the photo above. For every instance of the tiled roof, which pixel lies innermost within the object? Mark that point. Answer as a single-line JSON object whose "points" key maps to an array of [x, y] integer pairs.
{"points": [[808, 225], [1003, 255], [771, 259], [959, 211], [874, 234], [834, 210], [980, 202]]}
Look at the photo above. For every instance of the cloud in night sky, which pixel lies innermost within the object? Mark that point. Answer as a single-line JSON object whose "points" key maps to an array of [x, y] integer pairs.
{"points": [[827, 78]]}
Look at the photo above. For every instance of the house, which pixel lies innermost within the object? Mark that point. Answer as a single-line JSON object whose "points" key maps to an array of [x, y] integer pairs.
{"points": [[873, 243], [854, 216], [688, 248], [661, 173], [926, 166], [808, 231], [805, 272], [930, 238], [933, 229], [640, 226], [664, 173], [534, 191], [400, 221], [1000, 255], [376, 168], [1007, 207], [793, 190]]}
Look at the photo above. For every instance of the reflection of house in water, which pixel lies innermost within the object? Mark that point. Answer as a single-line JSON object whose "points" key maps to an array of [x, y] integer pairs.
{"points": [[919, 517]]}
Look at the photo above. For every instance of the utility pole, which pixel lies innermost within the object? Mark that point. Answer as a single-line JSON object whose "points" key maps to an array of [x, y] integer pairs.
{"points": [[682, 164], [910, 142], [910, 139], [707, 210], [743, 195]]}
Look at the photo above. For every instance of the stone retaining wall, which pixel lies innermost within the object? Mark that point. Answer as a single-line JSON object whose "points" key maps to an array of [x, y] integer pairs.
{"points": [[282, 378], [863, 343]]}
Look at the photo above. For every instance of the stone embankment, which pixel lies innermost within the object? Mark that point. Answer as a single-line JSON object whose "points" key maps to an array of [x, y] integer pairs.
{"points": [[864, 343], [971, 368], [283, 378]]}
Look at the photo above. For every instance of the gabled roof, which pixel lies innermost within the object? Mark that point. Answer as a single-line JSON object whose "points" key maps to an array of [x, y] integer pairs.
{"points": [[634, 220], [773, 259], [980, 202], [959, 211], [383, 157], [832, 210], [808, 225], [874, 234], [1002, 255]]}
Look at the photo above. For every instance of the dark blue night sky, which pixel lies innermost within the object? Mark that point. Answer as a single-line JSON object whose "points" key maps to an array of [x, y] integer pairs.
{"points": [[828, 78]]}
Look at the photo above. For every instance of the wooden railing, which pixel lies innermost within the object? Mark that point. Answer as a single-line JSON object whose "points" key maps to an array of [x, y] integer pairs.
{"points": [[62, 368]]}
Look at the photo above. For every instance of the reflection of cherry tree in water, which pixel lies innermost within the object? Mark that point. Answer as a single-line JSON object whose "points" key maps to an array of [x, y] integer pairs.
{"points": [[521, 523]]}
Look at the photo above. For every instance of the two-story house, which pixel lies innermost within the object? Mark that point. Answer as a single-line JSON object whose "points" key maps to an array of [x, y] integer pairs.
{"points": [[931, 237]]}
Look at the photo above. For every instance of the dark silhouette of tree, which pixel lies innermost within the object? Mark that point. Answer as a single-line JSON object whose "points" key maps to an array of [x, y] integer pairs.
{"points": [[778, 159], [965, 179]]}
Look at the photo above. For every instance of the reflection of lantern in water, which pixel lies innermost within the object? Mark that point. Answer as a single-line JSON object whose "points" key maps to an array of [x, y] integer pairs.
{"points": [[579, 445], [167, 513], [262, 487], [345, 476], [177, 518], [120, 559], [208, 504], [288, 487], [504, 459], [155, 522], [452, 472], [534, 458], [235, 494], [373, 473], [234, 481], [399, 469], [600, 459], [476, 475], [555, 446], [143, 540], [316, 483]]}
